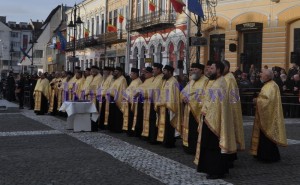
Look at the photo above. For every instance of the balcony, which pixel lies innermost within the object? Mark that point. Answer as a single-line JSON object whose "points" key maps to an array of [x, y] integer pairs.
{"points": [[153, 20], [112, 38], [98, 40]]}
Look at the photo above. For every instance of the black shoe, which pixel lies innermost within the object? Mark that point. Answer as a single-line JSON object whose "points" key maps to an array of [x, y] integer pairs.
{"points": [[215, 176], [21, 107]]}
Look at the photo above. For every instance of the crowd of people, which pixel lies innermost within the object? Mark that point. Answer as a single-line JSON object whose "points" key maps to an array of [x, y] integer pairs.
{"points": [[288, 83], [204, 108]]}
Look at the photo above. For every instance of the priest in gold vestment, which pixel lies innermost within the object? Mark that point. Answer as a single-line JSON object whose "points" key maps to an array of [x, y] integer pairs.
{"points": [[103, 106], [236, 111], [150, 101], [86, 84], [169, 109], [115, 99], [269, 127], [61, 87], [192, 96], [129, 102], [54, 93], [92, 91], [142, 116], [77, 86], [41, 95], [216, 131]]}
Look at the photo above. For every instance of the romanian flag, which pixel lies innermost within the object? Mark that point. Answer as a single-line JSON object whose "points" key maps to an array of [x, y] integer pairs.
{"points": [[151, 6], [86, 33], [25, 53], [121, 18], [58, 46], [111, 28], [178, 5]]}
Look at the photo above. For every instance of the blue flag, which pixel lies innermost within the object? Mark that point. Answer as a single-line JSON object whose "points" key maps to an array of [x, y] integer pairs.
{"points": [[196, 7], [63, 41]]}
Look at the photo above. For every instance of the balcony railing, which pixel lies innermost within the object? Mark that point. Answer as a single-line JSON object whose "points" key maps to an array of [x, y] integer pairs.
{"points": [[154, 19], [98, 40]]}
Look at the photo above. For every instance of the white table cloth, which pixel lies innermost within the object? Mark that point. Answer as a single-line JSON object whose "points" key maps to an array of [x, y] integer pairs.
{"points": [[80, 115]]}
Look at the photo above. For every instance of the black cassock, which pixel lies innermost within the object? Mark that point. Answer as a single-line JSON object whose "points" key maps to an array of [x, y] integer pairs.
{"points": [[115, 118], [267, 151], [211, 160]]}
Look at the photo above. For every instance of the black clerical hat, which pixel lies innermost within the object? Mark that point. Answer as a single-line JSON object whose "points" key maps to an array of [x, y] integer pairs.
{"points": [[148, 69], [119, 69], [77, 67], [135, 70], [158, 65], [88, 69], [197, 65], [95, 67], [169, 68]]}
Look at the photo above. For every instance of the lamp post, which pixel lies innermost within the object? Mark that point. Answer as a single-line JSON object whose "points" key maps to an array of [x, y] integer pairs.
{"points": [[77, 20], [11, 51], [32, 42]]}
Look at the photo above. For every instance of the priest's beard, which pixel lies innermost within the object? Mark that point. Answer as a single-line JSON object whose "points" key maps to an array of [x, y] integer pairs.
{"points": [[165, 77], [195, 77], [213, 76]]}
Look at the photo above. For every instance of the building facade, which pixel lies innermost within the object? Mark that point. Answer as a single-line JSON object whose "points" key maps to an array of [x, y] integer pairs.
{"points": [[258, 32], [95, 43], [157, 35], [14, 37]]}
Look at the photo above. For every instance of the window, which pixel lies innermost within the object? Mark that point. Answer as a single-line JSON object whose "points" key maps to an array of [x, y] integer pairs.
{"points": [[88, 25], [139, 9], [127, 12], [97, 25], [102, 24], [91, 62], [115, 17], [86, 63], [146, 7], [14, 34], [110, 17], [25, 42], [92, 28], [217, 47], [38, 54], [16, 44], [297, 40], [16, 54]]}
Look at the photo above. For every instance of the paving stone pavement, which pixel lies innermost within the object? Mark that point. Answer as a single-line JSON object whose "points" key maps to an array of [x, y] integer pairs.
{"points": [[173, 166]]}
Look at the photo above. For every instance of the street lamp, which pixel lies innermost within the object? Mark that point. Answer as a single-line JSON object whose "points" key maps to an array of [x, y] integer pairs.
{"points": [[11, 51], [77, 20], [32, 42]]}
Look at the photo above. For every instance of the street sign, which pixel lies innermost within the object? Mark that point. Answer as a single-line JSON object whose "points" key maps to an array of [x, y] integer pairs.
{"points": [[198, 41], [73, 59], [148, 60]]}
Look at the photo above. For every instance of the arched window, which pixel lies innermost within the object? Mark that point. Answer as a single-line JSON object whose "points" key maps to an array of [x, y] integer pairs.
{"points": [[172, 56]]}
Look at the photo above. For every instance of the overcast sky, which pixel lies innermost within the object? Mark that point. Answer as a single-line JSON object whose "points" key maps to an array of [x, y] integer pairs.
{"points": [[24, 10]]}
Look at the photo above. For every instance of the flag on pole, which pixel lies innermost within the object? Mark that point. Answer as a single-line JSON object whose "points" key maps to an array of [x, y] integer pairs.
{"points": [[25, 54], [111, 28], [121, 18], [178, 5], [58, 46], [86, 33], [151, 6], [196, 7], [61, 41]]}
